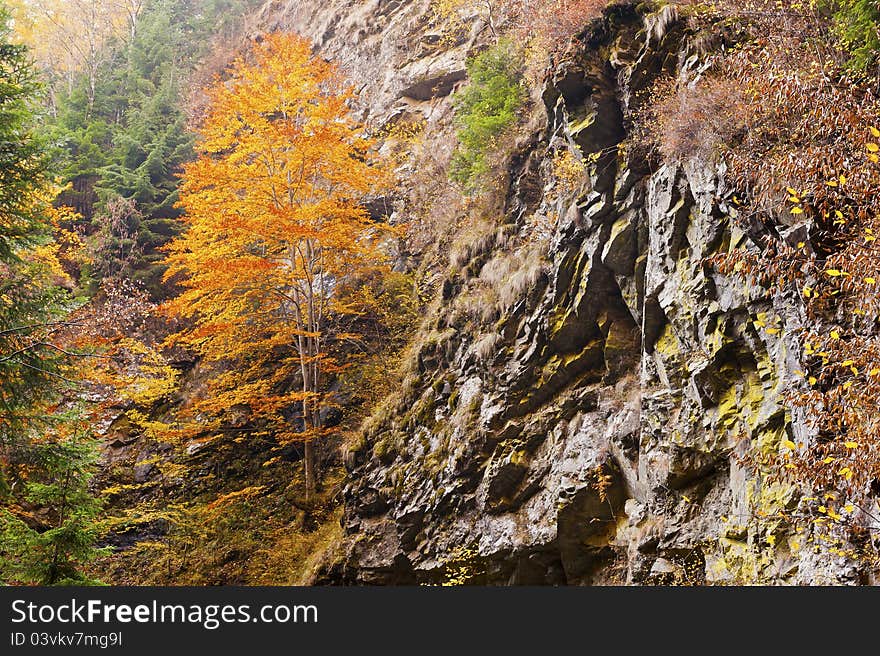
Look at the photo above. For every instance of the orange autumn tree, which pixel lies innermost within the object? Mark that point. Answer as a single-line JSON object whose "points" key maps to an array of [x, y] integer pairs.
{"points": [[274, 236]]}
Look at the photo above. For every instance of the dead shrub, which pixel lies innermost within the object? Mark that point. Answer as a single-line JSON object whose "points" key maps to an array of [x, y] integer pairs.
{"points": [[700, 120]]}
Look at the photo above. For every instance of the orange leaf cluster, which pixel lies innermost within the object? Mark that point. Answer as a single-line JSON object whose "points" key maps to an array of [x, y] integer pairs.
{"points": [[274, 231]]}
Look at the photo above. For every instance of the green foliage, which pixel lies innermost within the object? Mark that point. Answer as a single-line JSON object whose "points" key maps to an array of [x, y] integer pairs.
{"points": [[857, 26], [23, 167], [50, 534], [27, 303], [47, 517], [486, 109], [130, 143]]}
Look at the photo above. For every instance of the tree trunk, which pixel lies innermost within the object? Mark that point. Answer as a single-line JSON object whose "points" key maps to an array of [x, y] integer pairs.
{"points": [[309, 425], [311, 478]]}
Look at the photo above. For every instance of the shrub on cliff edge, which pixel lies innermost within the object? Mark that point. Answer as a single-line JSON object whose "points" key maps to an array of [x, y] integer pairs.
{"points": [[857, 27], [486, 110]]}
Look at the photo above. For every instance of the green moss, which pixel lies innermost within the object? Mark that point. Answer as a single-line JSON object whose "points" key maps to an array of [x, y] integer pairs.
{"points": [[358, 444], [750, 551], [520, 458], [590, 356], [667, 344], [384, 452], [768, 441], [436, 458], [397, 480], [388, 446], [422, 413], [741, 403], [728, 409], [474, 405], [716, 340], [582, 124]]}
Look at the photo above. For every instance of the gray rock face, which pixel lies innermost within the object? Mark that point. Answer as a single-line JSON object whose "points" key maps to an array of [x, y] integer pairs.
{"points": [[387, 48], [587, 429]]}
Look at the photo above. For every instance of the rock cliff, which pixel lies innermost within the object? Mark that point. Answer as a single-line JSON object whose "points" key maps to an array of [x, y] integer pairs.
{"points": [[579, 404]]}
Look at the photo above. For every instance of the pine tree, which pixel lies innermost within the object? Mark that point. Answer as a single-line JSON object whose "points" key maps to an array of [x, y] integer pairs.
{"points": [[48, 533], [46, 512], [30, 308]]}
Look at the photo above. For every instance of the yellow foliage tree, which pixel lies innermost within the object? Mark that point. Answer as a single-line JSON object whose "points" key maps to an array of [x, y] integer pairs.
{"points": [[274, 236], [67, 37]]}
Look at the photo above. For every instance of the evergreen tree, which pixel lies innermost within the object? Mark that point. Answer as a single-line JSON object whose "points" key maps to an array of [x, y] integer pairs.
{"points": [[46, 512], [48, 532], [28, 305], [485, 110]]}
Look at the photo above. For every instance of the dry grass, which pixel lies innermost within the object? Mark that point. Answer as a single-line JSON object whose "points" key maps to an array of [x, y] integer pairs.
{"points": [[486, 347], [476, 239], [522, 281], [512, 275], [296, 557]]}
